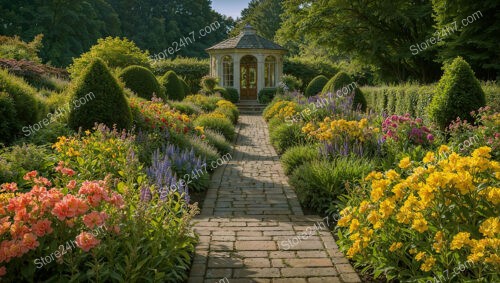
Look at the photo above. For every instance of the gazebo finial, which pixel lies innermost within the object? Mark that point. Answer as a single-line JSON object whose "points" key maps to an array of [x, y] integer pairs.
{"points": [[249, 29]]}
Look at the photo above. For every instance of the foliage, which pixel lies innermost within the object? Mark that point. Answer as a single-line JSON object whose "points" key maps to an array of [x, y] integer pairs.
{"points": [[28, 105], [9, 124], [457, 94], [475, 40], [142, 82], [485, 131], [298, 155], [289, 83], [174, 89], [191, 69], [185, 86], [101, 99], [426, 217], [228, 109], [316, 86], [263, 15], [208, 84], [15, 48], [231, 95], [187, 108], [217, 122], [114, 51], [319, 183], [492, 92], [286, 136], [37, 75], [207, 103], [218, 141], [203, 148], [18, 160], [266, 95], [308, 68], [342, 85], [281, 110]]}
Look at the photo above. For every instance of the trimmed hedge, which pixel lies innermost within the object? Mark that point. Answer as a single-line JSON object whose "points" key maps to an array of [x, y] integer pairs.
{"points": [[191, 69], [316, 86], [174, 89], [9, 123], [107, 105], [142, 81], [342, 81], [307, 69], [414, 99], [232, 95], [266, 95]]}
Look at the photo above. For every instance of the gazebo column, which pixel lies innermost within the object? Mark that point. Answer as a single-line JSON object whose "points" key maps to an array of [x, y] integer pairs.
{"points": [[218, 73], [260, 71], [236, 71]]}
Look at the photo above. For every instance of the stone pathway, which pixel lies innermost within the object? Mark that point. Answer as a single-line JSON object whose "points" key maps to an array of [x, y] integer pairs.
{"points": [[252, 228]]}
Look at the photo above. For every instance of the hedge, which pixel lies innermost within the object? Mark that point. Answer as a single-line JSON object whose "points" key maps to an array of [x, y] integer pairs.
{"points": [[307, 69], [414, 99], [191, 69]]}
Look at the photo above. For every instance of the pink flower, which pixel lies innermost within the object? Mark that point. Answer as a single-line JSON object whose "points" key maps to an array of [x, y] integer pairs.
{"points": [[30, 175], [71, 184], [42, 227], [10, 187], [94, 219]]}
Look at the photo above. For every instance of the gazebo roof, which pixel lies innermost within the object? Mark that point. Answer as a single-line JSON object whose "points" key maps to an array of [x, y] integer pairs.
{"points": [[247, 39]]}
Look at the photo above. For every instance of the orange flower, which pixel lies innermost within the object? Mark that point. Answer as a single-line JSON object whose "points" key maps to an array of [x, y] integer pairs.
{"points": [[86, 241], [94, 219], [29, 241], [71, 185], [30, 175], [68, 172], [42, 227], [9, 187]]}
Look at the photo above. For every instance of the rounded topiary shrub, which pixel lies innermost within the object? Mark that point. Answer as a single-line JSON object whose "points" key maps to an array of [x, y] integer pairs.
{"points": [[232, 95], [185, 86], [174, 89], [29, 106], [456, 95], [142, 81], [342, 85], [316, 86], [100, 99]]}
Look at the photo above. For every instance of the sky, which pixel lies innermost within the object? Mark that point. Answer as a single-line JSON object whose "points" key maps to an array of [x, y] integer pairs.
{"points": [[230, 8]]}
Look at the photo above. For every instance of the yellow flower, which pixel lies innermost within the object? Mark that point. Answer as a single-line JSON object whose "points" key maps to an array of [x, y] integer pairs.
{"points": [[386, 208], [461, 239], [429, 157], [438, 241], [354, 225], [412, 251], [392, 175], [420, 225], [344, 221], [363, 206], [404, 163], [200, 129], [373, 217], [395, 246], [419, 256], [428, 264], [483, 151], [490, 227], [443, 148]]}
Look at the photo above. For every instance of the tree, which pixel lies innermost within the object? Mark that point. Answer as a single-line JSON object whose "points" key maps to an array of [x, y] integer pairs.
{"points": [[376, 33], [473, 33], [263, 15]]}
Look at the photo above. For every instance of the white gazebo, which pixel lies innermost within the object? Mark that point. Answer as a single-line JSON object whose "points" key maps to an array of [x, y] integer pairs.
{"points": [[247, 62]]}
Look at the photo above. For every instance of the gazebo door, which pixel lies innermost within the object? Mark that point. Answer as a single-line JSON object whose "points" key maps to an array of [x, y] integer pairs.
{"points": [[248, 75]]}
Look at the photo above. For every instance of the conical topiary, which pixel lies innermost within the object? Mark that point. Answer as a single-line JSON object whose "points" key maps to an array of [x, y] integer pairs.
{"points": [[142, 81], [316, 86], [96, 97], [341, 85], [173, 86], [456, 95]]}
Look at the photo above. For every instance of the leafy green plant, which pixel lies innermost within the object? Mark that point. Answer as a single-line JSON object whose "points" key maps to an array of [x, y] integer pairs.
{"points": [[286, 136], [15, 48], [174, 89], [298, 155], [319, 183], [101, 99], [208, 84], [316, 86], [342, 84], [203, 149], [266, 95], [116, 52], [457, 94], [218, 141], [9, 125], [142, 82], [191, 69], [217, 122], [187, 108], [231, 95]]}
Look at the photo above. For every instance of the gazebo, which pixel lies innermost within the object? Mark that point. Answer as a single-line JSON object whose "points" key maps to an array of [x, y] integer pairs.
{"points": [[247, 62]]}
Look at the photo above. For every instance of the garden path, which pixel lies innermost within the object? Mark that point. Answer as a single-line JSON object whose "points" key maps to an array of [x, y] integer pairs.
{"points": [[251, 223]]}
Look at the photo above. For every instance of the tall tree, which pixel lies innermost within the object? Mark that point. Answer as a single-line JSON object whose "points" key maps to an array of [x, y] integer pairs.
{"points": [[378, 33], [476, 40], [263, 15]]}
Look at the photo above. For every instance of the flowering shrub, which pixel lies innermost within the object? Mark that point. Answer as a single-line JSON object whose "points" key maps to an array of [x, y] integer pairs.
{"points": [[401, 132], [100, 153], [465, 137], [281, 110], [427, 217], [151, 115], [207, 103], [35, 223]]}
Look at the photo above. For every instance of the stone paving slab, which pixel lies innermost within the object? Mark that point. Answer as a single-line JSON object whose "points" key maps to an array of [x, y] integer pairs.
{"points": [[252, 228]]}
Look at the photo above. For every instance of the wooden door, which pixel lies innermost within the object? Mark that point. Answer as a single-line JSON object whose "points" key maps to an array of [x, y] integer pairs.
{"points": [[248, 76]]}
